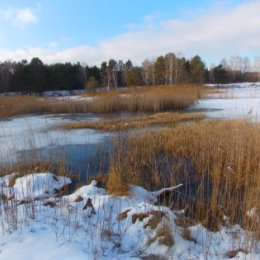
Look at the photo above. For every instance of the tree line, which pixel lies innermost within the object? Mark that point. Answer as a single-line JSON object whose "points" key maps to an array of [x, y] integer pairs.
{"points": [[170, 69]]}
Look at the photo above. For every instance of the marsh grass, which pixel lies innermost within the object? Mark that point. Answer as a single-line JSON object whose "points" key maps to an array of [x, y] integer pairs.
{"points": [[117, 184], [158, 119], [23, 105], [154, 99], [217, 161]]}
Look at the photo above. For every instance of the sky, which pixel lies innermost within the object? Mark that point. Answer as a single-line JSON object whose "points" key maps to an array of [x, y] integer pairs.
{"points": [[92, 31]]}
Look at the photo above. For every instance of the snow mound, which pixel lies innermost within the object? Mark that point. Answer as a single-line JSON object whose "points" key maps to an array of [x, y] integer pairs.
{"points": [[91, 224], [33, 186], [86, 191], [140, 194], [7, 180]]}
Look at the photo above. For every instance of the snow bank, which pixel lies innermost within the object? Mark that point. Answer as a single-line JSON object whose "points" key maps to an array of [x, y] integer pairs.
{"points": [[90, 224], [235, 101], [236, 85], [32, 186]]}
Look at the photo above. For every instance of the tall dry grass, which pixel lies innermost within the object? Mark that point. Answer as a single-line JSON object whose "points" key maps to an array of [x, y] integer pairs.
{"points": [[113, 125], [153, 99], [22, 105], [217, 161]]}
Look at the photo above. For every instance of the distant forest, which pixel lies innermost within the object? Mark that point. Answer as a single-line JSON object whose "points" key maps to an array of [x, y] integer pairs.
{"points": [[35, 76]]}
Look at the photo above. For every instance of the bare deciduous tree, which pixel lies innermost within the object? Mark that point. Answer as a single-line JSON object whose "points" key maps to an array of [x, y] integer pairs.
{"points": [[257, 67]]}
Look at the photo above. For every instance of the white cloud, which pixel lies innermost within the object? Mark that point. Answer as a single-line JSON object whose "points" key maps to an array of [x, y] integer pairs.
{"points": [[19, 17], [214, 35]]}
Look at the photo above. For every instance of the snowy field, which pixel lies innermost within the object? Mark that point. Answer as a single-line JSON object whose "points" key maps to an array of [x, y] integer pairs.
{"points": [[37, 222], [233, 101], [90, 224]]}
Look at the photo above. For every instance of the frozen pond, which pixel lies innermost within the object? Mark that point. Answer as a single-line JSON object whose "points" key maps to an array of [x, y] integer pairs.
{"points": [[86, 151], [29, 138], [232, 102]]}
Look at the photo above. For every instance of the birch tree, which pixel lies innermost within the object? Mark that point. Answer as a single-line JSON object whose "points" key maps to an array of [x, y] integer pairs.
{"points": [[170, 68]]}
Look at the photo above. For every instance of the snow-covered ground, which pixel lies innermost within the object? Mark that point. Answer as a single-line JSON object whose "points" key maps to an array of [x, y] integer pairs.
{"points": [[35, 223], [90, 224], [233, 101], [236, 85]]}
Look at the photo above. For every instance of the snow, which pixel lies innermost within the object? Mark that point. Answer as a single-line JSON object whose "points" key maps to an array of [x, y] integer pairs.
{"points": [[76, 98], [115, 230], [33, 186], [231, 108], [140, 194], [236, 85], [234, 101], [5, 181], [37, 223]]}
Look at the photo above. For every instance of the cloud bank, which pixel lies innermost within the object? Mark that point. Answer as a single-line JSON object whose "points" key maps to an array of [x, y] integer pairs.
{"points": [[214, 35], [19, 17]]}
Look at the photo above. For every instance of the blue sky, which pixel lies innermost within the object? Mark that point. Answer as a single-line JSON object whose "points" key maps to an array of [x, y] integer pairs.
{"points": [[94, 30]]}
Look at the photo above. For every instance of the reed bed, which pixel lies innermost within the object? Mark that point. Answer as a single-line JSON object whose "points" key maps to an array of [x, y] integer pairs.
{"points": [[154, 99], [217, 161], [24, 105], [158, 119]]}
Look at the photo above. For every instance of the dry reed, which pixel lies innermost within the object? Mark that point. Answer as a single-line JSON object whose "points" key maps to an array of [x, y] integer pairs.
{"points": [[114, 125], [218, 162], [153, 99]]}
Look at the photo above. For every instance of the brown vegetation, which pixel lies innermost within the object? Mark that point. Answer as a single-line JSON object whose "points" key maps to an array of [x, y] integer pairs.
{"points": [[22, 105], [218, 162], [117, 184], [123, 215], [186, 234], [154, 99], [163, 235], [114, 125]]}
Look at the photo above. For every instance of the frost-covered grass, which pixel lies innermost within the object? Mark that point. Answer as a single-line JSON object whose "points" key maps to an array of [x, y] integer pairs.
{"points": [[90, 224]]}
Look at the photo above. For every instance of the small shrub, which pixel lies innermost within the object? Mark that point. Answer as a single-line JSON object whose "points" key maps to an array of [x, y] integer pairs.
{"points": [[117, 184]]}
